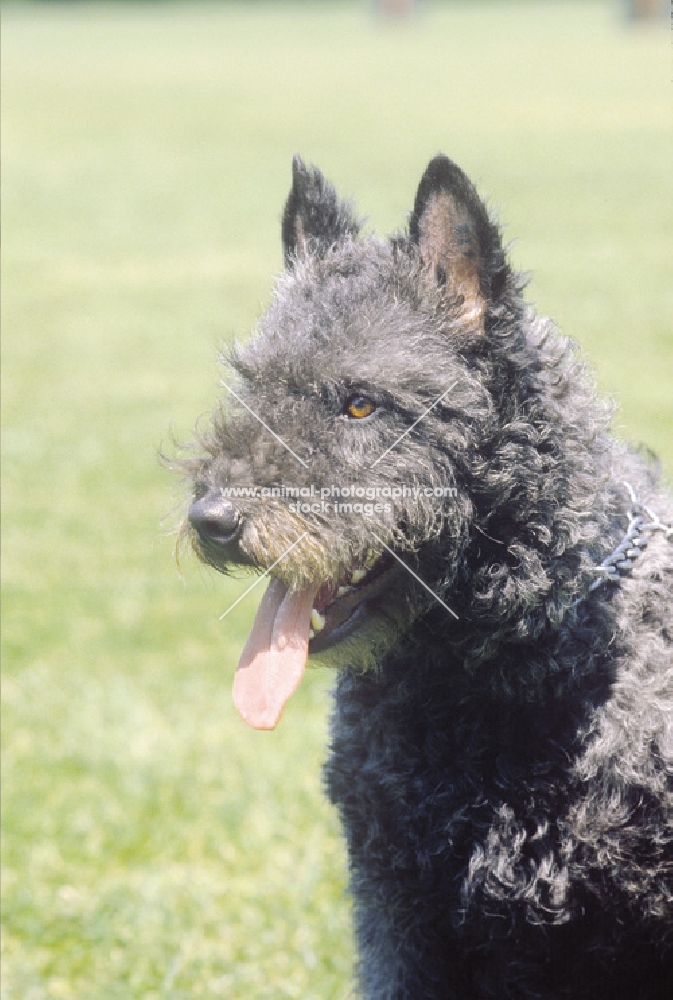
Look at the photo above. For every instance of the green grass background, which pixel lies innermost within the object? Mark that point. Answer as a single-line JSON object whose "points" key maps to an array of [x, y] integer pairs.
{"points": [[153, 846]]}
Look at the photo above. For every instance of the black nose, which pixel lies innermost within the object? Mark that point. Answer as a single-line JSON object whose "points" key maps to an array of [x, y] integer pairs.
{"points": [[215, 518]]}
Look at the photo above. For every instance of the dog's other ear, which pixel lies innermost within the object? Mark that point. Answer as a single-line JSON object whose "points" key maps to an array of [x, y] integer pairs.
{"points": [[314, 215], [456, 239]]}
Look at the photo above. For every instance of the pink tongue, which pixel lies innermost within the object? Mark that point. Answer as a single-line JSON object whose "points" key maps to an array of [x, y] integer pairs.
{"points": [[274, 657]]}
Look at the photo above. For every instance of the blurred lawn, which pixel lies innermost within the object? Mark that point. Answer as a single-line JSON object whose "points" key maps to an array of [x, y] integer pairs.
{"points": [[154, 847]]}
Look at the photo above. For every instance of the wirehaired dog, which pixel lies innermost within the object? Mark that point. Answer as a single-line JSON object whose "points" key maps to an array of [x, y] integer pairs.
{"points": [[421, 467]]}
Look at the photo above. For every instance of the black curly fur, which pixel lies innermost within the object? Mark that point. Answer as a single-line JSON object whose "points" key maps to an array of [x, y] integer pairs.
{"points": [[505, 781]]}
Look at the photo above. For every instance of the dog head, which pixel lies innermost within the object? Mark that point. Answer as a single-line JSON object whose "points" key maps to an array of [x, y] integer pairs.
{"points": [[363, 438]]}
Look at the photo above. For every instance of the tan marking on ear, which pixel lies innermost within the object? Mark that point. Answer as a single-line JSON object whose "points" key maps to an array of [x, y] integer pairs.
{"points": [[448, 242]]}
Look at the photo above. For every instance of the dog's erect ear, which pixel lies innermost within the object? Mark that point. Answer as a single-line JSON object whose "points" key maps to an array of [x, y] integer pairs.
{"points": [[456, 239], [314, 215]]}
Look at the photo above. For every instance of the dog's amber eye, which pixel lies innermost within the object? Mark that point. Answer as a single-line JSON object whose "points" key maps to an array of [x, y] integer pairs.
{"points": [[359, 406]]}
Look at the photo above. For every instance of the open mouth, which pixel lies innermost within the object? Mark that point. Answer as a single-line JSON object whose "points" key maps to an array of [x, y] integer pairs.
{"points": [[288, 626], [338, 609]]}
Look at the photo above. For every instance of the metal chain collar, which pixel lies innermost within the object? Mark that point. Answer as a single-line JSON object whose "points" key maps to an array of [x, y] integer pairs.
{"points": [[642, 522]]}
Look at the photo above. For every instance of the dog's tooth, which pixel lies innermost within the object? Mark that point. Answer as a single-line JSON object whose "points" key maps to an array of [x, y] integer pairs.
{"points": [[357, 575], [311, 634], [342, 590], [317, 621]]}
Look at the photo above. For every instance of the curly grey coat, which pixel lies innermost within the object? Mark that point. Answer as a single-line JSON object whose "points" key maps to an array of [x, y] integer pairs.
{"points": [[504, 778]]}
